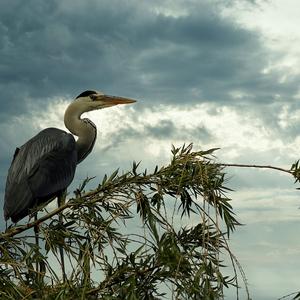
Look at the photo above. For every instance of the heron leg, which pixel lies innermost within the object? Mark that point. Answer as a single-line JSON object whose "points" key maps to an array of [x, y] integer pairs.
{"points": [[37, 243], [61, 199]]}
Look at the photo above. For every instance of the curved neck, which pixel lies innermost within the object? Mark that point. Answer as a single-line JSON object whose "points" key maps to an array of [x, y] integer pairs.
{"points": [[85, 129]]}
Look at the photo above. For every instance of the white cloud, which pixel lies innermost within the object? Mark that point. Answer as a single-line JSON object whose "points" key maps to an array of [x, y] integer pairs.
{"points": [[234, 132], [264, 206], [241, 138], [278, 22]]}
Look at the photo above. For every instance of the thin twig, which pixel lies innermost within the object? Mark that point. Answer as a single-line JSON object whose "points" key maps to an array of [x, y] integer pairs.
{"points": [[289, 295], [256, 166]]}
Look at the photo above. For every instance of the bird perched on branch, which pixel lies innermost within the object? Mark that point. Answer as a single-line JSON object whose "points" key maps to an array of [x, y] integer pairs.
{"points": [[44, 166]]}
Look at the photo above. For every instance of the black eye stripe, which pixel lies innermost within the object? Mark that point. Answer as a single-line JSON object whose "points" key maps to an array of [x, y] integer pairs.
{"points": [[86, 93]]}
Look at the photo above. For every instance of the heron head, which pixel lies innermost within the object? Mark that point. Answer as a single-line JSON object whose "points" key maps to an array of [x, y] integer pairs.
{"points": [[93, 100]]}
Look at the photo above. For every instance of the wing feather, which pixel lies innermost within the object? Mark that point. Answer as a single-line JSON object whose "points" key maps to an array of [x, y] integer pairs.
{"points": [[41, 168]]}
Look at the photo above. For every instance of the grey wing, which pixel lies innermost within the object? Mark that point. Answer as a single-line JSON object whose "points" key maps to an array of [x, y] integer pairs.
{"points": [[41, 168]]}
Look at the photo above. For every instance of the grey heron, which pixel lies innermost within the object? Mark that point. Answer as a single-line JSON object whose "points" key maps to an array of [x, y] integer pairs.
{"points": [[44, 166]]}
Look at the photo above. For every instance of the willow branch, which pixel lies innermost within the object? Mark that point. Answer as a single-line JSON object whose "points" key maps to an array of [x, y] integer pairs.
{"points": [[19, 229], [257, 167]]}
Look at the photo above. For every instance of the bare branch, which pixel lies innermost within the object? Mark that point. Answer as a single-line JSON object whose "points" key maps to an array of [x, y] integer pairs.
{"points": [[256, 166]]}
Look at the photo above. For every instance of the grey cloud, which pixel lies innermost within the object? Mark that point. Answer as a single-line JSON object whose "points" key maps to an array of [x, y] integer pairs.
{"points": [[55, 48], [165, 129], [268, 115], [63, 47], [168, 129]]}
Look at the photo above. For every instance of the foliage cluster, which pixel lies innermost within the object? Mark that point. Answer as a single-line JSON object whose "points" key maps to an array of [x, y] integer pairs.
{"points": [[182, 219]]}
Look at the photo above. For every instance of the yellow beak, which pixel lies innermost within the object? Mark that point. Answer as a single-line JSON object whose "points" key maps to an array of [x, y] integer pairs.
{"points": [[113, 100]]}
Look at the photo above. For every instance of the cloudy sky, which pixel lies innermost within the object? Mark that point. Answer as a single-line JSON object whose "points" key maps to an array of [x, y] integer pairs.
{"points": [[216, 73]]}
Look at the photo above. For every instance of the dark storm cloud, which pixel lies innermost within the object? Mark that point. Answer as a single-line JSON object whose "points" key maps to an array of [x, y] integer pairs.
{"points": [[52, 48], [60, 48], [164, 130], [167, 129]]}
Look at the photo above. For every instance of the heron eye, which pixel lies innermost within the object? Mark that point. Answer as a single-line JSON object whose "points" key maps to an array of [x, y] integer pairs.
{"points": [[93, 97]]}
